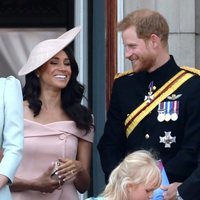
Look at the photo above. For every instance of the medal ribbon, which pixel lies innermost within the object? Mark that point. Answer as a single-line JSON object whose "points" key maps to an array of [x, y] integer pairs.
{"points": [[142, 111], [168, 107], [175, 107]]}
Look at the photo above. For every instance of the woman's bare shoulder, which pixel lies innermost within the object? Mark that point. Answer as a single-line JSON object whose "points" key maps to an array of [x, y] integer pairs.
{"points": [[28, 113]]}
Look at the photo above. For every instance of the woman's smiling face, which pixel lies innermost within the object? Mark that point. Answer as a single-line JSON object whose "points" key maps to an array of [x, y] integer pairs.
{"points": [[56, 72]]}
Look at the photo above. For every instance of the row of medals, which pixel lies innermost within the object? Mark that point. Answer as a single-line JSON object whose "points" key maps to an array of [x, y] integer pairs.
{"points": [[167, 117], [168, 111]]}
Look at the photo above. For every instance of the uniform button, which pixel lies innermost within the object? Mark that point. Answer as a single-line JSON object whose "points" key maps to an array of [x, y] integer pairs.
{"points": [[62, 136], [147, 136]]}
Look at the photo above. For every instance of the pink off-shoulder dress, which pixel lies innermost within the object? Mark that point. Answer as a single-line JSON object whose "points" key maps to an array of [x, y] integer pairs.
{"points": [[44, 144]]}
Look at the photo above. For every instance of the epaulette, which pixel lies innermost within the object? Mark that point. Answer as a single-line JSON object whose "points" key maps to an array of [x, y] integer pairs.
{"points": [[190, 69], [127, 72]]}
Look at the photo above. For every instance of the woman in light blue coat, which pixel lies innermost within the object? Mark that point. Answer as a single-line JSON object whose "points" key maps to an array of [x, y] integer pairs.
{"points": [[11, 132]]}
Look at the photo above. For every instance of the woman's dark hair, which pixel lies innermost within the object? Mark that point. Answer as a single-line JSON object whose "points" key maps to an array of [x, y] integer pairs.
{"points": [[71, 96]]}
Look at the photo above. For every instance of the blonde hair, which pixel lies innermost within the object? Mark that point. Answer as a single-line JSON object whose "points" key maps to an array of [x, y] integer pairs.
{"points": [[139, 167], [146, 22]]}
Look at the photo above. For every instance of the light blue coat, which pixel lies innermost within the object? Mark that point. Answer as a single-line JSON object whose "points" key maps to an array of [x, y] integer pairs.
{"points": [[11, 130]]}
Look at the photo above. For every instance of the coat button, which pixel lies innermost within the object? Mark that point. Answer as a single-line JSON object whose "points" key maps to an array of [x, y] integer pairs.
{"points": [[62, 136], [147, 136]]}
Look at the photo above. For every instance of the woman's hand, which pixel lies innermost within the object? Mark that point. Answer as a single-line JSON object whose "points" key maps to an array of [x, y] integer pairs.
{"points": [[68, 169], [45, 183], [3, 180]]}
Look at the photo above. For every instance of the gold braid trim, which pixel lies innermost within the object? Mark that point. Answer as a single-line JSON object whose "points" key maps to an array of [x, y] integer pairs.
{"points": [[190, 69], [127, 72], [186, 68]]}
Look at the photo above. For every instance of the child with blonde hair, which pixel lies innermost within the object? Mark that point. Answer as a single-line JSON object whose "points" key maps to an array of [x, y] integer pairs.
{"points": [[135, 178]]}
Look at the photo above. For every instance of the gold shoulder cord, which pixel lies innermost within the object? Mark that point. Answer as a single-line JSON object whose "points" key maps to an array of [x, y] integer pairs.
{"points": [[190, 69], [118, 75]]}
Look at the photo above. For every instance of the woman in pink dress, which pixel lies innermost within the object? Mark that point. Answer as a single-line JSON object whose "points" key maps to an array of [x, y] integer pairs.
{"points": [[58, 129]]}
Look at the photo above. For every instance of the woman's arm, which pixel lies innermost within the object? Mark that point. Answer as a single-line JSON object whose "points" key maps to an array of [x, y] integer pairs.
{"points": [[12, 132], [82, 181], [77, 170], [44, 183]]}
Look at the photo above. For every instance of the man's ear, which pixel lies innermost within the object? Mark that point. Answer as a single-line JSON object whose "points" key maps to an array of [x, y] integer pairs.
{"points": [[155, 40]]}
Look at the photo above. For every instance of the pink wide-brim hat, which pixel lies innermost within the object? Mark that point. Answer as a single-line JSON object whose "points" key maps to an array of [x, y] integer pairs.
{"points": [[46, 49]]}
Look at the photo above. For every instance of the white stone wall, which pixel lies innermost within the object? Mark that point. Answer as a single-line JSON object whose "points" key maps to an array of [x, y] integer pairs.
{"points": [[197, 30], [184, 23]]}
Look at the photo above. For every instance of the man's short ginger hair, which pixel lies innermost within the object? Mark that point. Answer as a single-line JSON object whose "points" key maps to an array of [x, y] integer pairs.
{"points": [[146, 22]]}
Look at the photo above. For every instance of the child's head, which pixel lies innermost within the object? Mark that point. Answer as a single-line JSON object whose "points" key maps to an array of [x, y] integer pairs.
{"points": [[134, 178]]}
